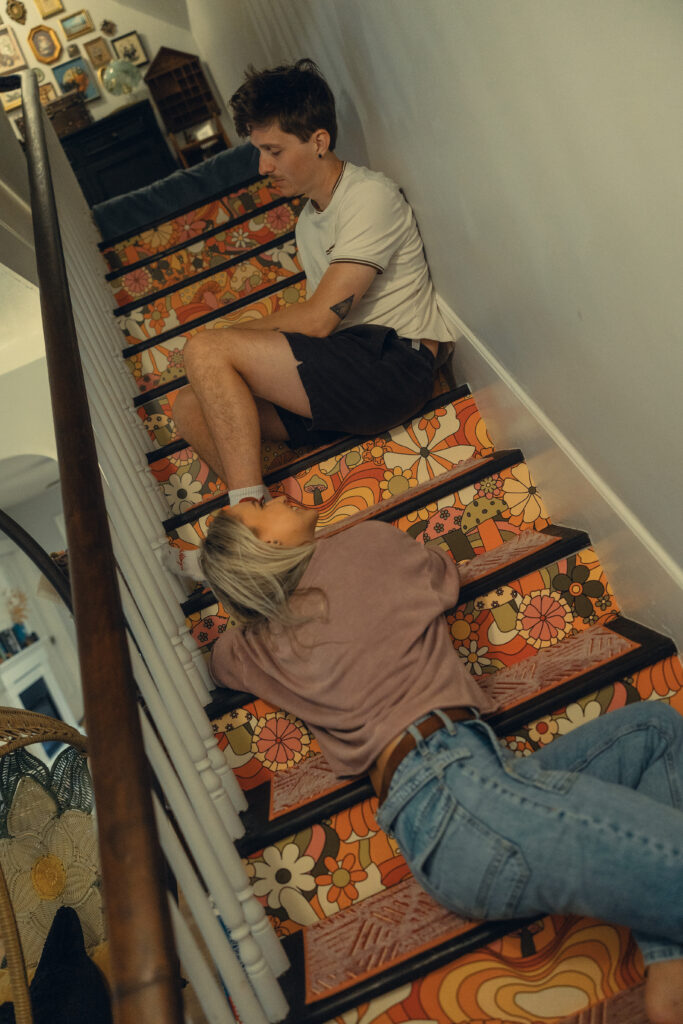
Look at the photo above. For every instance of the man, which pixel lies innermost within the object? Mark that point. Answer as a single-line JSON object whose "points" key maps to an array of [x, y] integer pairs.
{"points": [[359, 355]]}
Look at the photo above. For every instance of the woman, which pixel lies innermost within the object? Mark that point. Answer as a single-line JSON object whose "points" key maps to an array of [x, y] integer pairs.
{"points": [[348, 634]]}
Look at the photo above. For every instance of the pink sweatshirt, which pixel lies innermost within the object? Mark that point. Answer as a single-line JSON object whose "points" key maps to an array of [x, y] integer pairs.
{"points": [[380, 658]]}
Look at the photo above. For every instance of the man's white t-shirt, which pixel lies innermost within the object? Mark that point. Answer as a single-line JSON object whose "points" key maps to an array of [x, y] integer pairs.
{"points": [[369, 221]]}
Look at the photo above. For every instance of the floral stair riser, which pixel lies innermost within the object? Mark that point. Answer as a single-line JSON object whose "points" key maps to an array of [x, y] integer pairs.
{"points": [[346, 859], [160, 363], [193, 300], [186, 226], [182, 264], [552, 970], [262, 742], [372, 471]]}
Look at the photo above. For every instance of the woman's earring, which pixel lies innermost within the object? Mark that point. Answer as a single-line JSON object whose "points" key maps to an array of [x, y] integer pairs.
{"points": [[320, 156]]}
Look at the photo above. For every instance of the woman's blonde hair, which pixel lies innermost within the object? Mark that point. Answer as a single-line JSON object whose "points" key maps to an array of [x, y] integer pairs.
{"points": [[252, 579]]}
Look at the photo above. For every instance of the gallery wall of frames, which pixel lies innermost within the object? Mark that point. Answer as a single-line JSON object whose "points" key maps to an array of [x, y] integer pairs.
{"points": [[70, 47]]}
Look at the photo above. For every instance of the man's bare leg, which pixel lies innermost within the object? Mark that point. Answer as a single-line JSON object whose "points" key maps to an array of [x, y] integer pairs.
{"points": [[192, 426], [227, 370]]}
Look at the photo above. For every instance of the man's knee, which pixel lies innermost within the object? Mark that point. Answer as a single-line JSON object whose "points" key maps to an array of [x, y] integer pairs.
{"points": [[203, 351]]}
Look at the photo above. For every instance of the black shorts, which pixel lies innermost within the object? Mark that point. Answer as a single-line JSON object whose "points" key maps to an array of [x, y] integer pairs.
{"points": [[362, 380]]}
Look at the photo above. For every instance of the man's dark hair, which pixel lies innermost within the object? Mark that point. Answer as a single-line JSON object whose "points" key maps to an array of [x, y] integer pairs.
{"points": [[296, 96]]}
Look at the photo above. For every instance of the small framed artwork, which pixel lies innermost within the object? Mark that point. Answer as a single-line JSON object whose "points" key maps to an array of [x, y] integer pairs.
{"points": [[47, 93], [74, 25], [48, 8], [98, 52], [11, 57], [75, 76], [11, 100], [44, 43], [129, 47], [72, 50]]}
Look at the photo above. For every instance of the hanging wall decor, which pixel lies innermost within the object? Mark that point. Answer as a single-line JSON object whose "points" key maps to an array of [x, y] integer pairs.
{"points": [[47, 93], [11, 57], [77, 24], [16, 11], [11, 100], [98, 52], [44, 43], [48, 8], [76, 76], [108, 27], [129, 47]]}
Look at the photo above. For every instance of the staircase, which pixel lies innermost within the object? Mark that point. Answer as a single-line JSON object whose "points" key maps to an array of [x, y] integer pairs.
{"points": [[538, 625]]}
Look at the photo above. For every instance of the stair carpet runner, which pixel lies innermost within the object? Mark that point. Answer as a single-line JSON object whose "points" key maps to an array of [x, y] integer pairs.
{"points": [[537, 624]]}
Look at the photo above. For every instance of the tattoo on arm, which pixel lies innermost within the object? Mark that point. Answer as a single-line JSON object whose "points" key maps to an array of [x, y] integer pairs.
{"points": [[342, 308]]}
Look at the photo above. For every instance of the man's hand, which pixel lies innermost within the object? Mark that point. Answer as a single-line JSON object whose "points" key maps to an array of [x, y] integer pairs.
{"points": [[341, 288]]}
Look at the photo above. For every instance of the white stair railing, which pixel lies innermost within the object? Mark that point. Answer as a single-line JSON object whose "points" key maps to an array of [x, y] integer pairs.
{"points": [[199, 786]]}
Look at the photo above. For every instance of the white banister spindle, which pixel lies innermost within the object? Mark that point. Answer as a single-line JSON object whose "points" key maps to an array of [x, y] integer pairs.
{"points": [[212, 998], [157, 650], [231, 971], [184, 745]]}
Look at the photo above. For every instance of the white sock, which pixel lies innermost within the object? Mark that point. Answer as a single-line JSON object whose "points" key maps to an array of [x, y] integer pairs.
{"points": [[182, 562], [258, 491]]}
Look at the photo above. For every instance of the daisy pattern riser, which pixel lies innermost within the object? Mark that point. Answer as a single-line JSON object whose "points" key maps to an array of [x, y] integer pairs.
{"points": [[342, 861], [183, 227], [188, 302], [352, 835], [290, 785], [445, 436], [157, 363], [481, 511], [210, 250]]}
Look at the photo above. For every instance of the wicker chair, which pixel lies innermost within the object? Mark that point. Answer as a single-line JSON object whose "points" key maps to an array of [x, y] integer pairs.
{"points": [[19, 728]]}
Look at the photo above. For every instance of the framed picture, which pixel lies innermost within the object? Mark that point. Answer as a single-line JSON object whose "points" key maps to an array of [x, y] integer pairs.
{"points": [[11, 57], [78, 24], [72, 50], [44, 43], [48, 8], [47, 93], [11, 100], [129, 47], [75, 76], [98, 52]]}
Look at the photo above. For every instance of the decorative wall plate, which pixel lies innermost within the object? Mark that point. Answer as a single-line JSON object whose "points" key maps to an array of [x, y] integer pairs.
{"points": [[17, 11]]}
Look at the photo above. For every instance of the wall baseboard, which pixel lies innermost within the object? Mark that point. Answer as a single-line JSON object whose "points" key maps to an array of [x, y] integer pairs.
{"points": [[648, 583]]}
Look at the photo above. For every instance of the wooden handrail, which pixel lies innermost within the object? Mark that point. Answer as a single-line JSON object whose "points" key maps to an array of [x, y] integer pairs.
{"points": [[144, 967]]}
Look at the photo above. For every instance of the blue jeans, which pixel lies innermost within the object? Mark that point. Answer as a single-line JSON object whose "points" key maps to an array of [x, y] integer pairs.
{"points": [[592, 824]]}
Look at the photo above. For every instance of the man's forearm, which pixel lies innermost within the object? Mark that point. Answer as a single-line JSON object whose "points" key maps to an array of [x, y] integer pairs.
{"points": [[300, 316]]}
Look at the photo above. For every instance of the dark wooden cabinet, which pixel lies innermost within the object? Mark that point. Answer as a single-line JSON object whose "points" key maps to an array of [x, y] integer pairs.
{"points": [[119, 153]]}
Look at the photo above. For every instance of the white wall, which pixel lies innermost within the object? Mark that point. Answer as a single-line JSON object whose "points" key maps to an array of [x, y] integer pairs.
{"points": [[540, 145]]}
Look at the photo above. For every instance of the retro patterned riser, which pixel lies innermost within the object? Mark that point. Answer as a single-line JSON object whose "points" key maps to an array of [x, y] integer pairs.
{"points": [[264, 226], [273, 749], [386, 468], [550, 973], [161, 363], [188, 225], [293, 878], [194, 300], [506, 625]]}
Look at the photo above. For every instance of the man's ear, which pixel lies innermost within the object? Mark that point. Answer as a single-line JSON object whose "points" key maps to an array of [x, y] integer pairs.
{"points": [[321, 140]]}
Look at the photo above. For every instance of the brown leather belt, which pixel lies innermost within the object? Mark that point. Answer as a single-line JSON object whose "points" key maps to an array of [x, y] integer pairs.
{"points": [[408, 742]]}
